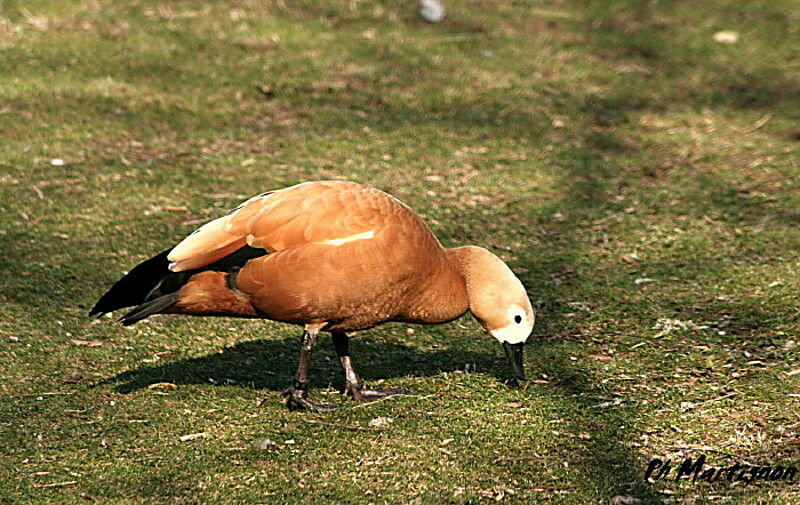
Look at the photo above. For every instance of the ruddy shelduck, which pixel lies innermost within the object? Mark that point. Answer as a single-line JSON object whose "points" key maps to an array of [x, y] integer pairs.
{"points": [[330, 256]]}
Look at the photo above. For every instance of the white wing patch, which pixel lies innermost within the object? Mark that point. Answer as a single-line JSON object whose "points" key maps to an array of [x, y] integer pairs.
{"points": [[352, 238]]}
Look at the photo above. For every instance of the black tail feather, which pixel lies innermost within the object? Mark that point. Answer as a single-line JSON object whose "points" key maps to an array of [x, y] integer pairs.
{"points": [[135, 286], [152, 287], [149, 308]]}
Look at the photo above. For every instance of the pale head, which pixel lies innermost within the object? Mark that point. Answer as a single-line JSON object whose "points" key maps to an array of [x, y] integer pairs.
{"points": [[498, 300]]}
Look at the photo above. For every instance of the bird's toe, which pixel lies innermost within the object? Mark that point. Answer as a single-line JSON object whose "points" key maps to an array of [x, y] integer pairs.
{"points": [[296, 399]]}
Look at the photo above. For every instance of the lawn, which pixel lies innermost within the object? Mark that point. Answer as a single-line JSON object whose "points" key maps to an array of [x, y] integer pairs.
{"points": [[638, 170]]}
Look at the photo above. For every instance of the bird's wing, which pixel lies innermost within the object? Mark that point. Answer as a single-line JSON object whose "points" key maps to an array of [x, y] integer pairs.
{"points": [[318, 212]]}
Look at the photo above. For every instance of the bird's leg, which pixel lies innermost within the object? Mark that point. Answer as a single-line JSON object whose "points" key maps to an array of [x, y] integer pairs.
{"points": [[353, 384], [296, 393], [352, 381]]}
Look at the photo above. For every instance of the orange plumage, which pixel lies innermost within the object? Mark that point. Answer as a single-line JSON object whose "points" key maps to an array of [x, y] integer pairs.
{"points": [[334, 256]]}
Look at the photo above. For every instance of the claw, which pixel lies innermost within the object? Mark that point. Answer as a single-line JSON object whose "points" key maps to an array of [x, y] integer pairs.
{"points": [[354, 390], [296, 400]]}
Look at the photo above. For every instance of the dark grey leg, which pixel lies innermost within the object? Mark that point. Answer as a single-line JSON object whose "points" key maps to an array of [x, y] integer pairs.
{"points": [[352, 381], [296, 393]]}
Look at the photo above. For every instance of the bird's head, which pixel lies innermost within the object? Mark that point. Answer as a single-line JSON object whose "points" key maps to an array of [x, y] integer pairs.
{"points": [[498, 301]]}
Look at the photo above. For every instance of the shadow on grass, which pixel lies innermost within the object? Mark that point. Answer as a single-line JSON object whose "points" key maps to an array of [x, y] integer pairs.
{"points": [[270, 364]]}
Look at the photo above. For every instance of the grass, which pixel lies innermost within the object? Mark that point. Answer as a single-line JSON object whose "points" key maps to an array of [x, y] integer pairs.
{"points": [[591, 144]]}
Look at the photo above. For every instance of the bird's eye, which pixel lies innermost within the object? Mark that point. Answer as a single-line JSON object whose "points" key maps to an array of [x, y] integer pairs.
{"points": [[517, 319]]}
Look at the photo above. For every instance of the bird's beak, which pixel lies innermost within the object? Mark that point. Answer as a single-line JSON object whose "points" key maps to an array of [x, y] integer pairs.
{"points": [[514, 355]]}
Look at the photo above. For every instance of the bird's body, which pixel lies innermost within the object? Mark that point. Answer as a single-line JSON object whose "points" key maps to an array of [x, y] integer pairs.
{"points": [[337, 253], [333, 256]]}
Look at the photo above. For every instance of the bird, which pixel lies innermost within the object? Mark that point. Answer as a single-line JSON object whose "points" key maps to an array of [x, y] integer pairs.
{"points": [[332, 256]]}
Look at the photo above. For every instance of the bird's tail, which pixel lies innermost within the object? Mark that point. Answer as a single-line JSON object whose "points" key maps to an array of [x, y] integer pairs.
{"points": [[152, 288], [149, 308], [135, 286], [208, 293]]}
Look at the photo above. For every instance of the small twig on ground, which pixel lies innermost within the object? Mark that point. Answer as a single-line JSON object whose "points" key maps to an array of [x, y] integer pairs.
{"points": [[516, 458], [428, 396], [51, 393], [337, 425], [758, 124], [57, 484], [542, 489], [373, 402], [712, 400]]}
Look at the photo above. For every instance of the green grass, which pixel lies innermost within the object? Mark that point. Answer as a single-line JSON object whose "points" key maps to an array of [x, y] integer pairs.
{"points": [[568, 135]]}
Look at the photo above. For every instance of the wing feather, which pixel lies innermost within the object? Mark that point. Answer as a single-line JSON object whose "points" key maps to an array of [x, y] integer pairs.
{"points": [[205, 246], [314, 212]]}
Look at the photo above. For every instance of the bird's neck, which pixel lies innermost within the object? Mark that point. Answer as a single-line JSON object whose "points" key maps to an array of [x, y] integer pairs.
{"points": [[441, 295], [462, 260], [478, 268]]}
